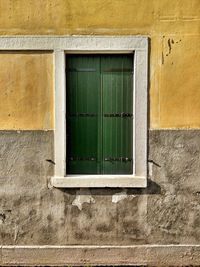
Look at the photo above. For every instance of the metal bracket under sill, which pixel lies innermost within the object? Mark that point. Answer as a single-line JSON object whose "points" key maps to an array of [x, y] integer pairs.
{"points": [[99, 181]]}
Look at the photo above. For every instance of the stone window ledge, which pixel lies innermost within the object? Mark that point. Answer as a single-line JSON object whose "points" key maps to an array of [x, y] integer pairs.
{"points": [[74, 181]]}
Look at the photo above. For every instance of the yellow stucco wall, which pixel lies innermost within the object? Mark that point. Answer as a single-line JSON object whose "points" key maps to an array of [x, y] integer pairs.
{"points": [[175, 83], [174, 31], [26, 87]]}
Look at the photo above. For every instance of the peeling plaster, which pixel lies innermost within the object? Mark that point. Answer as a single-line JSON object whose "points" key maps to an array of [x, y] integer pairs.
{"points": [[16, 232], [83, 196], [120, 196], [150, 165]]}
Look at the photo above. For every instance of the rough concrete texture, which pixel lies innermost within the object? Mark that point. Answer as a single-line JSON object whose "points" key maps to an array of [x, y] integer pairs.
{"points": [[174, 213], [34, 213]]}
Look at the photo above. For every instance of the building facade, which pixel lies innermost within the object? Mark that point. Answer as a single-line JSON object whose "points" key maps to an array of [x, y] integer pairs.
{"points": [[155, 223]]}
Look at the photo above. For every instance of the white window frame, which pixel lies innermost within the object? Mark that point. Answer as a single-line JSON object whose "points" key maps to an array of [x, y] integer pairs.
{"points": [[93, 44]]}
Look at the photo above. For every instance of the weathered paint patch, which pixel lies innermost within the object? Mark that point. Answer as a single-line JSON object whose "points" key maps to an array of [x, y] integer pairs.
{"points": [[121, 196], [82, 196]]}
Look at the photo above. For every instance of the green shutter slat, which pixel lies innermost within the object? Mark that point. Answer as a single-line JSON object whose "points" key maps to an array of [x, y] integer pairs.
{"points": [[117, 99], [83, 86]]}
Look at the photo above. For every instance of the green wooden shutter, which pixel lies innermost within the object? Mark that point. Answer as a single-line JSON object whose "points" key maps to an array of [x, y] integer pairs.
{"points": [[99, 114], [117, 95], [83, 107]]}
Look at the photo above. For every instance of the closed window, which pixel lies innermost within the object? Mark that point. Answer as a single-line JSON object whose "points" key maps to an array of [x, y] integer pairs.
{"points": [[100, 111], [99, 96]]}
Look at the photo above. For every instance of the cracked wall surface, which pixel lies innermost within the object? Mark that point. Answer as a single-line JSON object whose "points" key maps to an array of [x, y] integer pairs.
{"points": [[166, 212]]}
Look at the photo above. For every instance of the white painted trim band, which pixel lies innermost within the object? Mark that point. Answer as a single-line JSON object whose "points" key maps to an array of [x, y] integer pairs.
{"points": [[99, 181], [81, 43], [60, 111]]}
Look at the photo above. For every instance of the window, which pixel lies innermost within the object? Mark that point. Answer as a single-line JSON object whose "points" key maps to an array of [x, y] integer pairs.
{"points": [[99, 114], [116, 156]]}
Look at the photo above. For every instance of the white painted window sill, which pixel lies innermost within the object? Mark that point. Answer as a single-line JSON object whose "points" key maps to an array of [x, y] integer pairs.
{"points": [[77, 181]]}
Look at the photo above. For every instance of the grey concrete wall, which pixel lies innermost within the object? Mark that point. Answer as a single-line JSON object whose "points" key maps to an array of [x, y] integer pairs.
{"points": [[33, 213]]}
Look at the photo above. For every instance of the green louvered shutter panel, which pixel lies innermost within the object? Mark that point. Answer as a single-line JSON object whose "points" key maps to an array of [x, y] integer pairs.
{"points": [[99, 114], [117, 102], [83, 109]]}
